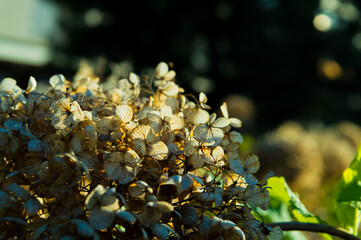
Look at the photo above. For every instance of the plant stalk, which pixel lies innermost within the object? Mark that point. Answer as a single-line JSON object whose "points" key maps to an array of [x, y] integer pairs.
{"points": [[314, 227]]}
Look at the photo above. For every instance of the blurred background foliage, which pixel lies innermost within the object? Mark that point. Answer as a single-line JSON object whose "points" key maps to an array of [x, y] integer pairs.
{"points": [[289, 69]]}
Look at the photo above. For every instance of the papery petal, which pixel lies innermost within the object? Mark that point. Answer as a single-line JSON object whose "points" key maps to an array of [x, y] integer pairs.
{"points": [[251, 163], [170, 75], [100, 219], [140, 146], [220, 122], [161, 70], [159, 230], [18, 191], [236, 165], [218, 153], [125, 176], [197, 161], [166, 111], [32, 206], [235, 122], [84, 229], [57, 81], [131, 156], [124, 112], [7, 85], [158, 150], [31, 85], [224, 110], [176, 122], [126, 216], [235, 137]]}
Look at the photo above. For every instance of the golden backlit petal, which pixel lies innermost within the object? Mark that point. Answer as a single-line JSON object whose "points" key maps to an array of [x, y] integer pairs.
{"points": [[143, 132], [176, 123], [131, 156], [124, 112], [158, 150], [218, 153]]}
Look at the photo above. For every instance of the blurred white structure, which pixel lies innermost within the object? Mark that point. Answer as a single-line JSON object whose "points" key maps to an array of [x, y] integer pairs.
{"points": [[25, 30]]}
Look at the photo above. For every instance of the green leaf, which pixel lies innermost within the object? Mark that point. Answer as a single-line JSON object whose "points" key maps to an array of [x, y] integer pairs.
{"points": [[280, 191], [348, 195]]}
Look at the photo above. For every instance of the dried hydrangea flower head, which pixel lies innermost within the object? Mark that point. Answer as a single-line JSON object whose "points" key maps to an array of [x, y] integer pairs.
{"points": [[132, 158]]}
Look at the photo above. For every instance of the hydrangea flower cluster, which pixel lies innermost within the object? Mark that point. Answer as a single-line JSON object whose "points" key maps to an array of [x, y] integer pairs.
{"points": [[129, 159]]}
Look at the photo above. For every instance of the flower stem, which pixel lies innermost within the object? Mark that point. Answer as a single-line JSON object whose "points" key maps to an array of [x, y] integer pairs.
{"points": [[356, 222], [314, 227]]}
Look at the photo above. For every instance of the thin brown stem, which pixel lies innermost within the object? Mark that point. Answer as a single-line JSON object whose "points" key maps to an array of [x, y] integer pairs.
{"points": [[314, 227]]}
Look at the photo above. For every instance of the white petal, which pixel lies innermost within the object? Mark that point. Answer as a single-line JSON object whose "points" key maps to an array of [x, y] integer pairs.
{"points": [[7, 84], [170, 75], [235, 122], [57, 81], [31, 85], [221, 122], [202, 97], [134, 78], [166, 111], [161, 70], [224, 110]]}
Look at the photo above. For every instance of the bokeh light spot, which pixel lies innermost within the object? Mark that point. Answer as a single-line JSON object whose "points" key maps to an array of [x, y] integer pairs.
{"points": [[330, 69], [322, 22]]}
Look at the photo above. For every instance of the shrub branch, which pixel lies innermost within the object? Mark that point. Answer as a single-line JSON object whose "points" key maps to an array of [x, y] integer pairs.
{"points": [[314, 227]]}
